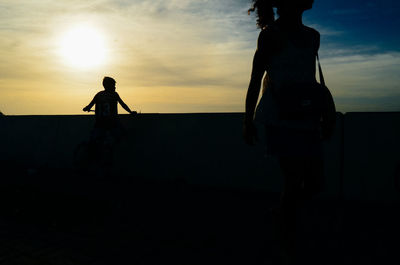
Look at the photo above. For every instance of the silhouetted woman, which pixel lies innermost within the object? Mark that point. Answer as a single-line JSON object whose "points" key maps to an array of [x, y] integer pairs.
{"points": [[286, 54]]}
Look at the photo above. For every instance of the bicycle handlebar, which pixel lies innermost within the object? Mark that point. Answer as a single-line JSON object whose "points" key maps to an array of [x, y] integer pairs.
{"points": [[130, 113]]}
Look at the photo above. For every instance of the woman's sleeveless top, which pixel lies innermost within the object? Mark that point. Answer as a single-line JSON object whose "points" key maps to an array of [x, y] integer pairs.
{"points": [[293, 63]]}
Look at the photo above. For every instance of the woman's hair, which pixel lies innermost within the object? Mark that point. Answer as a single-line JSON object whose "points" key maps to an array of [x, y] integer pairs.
{"points": [[264, 11]]}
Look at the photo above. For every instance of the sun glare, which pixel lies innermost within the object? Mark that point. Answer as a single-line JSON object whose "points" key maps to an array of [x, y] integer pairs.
{"points": [[83, 47]]}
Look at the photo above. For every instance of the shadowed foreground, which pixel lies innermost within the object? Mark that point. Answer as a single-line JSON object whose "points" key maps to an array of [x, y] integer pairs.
{"points": [[62, 218], [191, 192]]}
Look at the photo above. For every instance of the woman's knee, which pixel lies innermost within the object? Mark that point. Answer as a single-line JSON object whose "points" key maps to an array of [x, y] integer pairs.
{"points": [[310, 192]]}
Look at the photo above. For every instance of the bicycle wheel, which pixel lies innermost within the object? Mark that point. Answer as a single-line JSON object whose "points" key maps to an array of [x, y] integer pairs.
{"points": [[82, 158]]}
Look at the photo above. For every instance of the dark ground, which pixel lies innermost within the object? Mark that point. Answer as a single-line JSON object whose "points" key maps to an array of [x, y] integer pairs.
{"points": [[61, 218]]}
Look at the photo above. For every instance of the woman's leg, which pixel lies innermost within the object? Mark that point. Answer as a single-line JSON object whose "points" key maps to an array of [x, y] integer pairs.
{"points": [[314, 177], [293, 169], [303, 178]]}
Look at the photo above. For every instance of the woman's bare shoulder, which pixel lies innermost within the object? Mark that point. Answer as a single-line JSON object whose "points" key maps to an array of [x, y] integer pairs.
{"points": [[266, 34], [268, 37], [313, 32]]}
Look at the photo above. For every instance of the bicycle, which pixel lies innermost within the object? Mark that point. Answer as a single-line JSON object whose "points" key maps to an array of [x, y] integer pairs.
{"points": [[95, 156]]}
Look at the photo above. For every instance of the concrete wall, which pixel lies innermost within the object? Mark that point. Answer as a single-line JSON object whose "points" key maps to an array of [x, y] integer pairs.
{"points": [[200, 148], [208, 149], [372, 153]]}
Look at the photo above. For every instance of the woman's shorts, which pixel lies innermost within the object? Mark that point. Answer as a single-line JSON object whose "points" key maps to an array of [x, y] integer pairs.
{"points": [[282, 141]]}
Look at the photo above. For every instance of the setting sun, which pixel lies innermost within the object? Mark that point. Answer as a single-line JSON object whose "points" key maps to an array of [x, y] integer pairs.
{"points": [[83, 47]]}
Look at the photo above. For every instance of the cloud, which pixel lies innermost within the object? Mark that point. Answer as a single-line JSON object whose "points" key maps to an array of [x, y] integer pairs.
{"points": [[364, 81], [167, 56], [349, 11], [190, 52], [325, 31]]}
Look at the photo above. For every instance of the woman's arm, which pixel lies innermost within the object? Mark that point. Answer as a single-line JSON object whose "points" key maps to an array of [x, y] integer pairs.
{"points": [[253, 91], [254, 87]]}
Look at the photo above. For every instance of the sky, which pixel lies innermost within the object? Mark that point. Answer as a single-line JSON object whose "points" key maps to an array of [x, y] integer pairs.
{"points": [[182, 56]]}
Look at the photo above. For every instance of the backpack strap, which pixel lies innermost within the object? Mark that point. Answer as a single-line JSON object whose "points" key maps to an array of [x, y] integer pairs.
{"points": [[321, 75]]}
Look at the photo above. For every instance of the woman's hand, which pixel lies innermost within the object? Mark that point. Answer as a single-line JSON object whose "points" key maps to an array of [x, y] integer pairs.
{"points": [[250, 133]]}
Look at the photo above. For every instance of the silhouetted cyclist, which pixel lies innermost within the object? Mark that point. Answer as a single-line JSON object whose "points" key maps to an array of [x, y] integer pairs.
{"points": [[106, 105], [107, 129]]}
